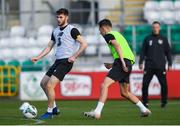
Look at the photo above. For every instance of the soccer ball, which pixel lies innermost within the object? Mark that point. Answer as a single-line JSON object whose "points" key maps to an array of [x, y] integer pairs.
{"points": [[29, 111]]}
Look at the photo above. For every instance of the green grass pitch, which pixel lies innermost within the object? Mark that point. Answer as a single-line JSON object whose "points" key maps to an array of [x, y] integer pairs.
{"points": [[115, 112]]}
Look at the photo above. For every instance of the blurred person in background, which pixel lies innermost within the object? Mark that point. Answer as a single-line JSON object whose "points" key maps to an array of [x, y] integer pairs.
{"points": [[120, 69], [155, 51], [69, 45]]}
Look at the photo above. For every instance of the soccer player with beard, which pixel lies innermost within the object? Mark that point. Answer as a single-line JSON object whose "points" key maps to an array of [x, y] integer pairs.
{"points": [[69, 45]]}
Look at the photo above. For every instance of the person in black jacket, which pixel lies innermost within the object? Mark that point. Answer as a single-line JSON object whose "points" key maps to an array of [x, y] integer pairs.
{"points": [[155, 51]]}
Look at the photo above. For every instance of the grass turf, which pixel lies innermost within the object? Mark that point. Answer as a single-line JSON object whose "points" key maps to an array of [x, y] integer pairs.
{"points": [[114, 112]]}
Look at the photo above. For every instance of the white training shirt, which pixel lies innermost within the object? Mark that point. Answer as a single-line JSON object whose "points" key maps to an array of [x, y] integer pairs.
{"points": [[65, 44]]}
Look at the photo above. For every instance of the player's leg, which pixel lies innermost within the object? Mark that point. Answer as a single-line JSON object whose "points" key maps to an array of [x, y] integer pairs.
{"points": [[62, 67], [104, 89], [44, 82], [128, 95], [124, 87], [161, 75], [53, 81], [148, 74], [96, 113]]}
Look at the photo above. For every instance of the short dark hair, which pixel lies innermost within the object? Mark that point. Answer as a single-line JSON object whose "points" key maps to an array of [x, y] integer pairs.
{"points": [[62, 11], [105, 22], [156, 22]]}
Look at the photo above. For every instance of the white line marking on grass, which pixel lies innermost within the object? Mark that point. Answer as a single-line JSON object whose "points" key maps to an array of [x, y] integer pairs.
{"points": [[37, 121], [169, 103]]}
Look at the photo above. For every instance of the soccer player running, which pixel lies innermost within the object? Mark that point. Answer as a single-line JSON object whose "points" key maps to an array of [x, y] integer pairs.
{"points": [[120, 69], [69, 45]]}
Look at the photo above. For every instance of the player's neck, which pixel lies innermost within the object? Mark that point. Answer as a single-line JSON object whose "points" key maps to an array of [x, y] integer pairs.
{"points": [[64, 25]]}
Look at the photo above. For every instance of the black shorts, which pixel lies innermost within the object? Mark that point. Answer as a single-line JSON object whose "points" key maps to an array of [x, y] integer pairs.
{"points": [[60, 68], [117, 73]]}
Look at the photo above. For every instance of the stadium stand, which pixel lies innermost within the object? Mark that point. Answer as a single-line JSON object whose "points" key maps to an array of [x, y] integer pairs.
{"points": [[2, 62], [177, 16], [31, 42], [151, 16], [17, 31], [132, 12], [6, 53], [127, 32], [163, 11], [92, 39], [175, 38], [177, 5], [167, 17], [14, 62], [166, 5], [34, 50], [151, 5], [42, 41], [45, 30], [164, 30], [5, 42], [20, 53], [28, 65], [141, 32], [18, 41], [175, 30], [104, 50], [91, 50], [25, 46]]}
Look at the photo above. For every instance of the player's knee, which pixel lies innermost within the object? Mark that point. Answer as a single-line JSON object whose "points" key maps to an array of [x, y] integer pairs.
{"points": [[48, 86], [42, 84], [103, 86]]}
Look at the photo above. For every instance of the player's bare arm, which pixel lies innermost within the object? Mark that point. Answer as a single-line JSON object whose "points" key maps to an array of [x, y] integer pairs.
{"points": [[44, 52], [118, 49], [83, 46]]}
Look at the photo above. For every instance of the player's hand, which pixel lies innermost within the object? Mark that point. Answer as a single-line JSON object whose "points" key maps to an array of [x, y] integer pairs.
{"points": [[72, 59], [140, 66], [125, 68], [34, 59], [108, 65], [169, 67]]}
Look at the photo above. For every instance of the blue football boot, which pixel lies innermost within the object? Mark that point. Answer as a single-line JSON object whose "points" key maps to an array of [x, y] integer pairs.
{"points": [[56, 111], [46, 115]]}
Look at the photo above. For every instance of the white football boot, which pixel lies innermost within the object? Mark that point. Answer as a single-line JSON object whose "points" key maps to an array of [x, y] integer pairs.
{"points": [[146, 113], [92, 114]]}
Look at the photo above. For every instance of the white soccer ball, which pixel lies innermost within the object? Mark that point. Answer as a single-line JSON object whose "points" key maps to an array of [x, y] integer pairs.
{"points": [[29, 111], [24, 106]]}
